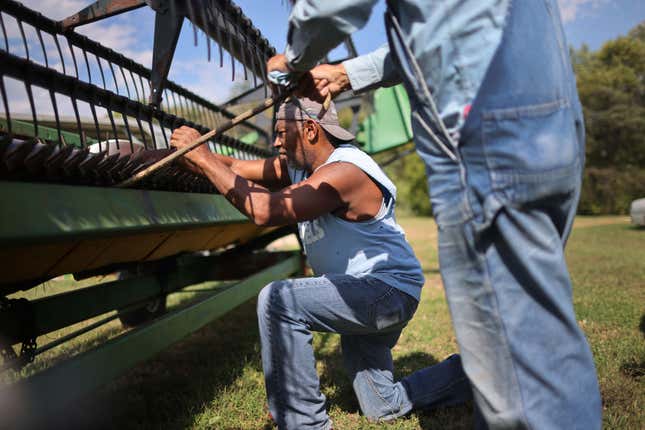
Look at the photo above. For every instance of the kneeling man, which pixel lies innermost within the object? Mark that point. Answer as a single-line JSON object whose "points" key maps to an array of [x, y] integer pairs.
{"points": [[368, 280]]}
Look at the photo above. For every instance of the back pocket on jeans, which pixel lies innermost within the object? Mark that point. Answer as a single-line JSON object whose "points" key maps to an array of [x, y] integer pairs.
{"points": [[529, 140]]}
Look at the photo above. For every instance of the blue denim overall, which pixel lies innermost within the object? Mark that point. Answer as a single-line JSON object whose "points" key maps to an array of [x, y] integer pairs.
{"points": [[504, 196]]}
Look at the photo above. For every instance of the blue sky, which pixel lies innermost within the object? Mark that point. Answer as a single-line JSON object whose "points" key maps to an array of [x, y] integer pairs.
{"points": [[586, 21]]}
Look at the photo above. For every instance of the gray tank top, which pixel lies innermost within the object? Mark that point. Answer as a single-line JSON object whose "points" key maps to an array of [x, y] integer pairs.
{"points": [[376, 248]]}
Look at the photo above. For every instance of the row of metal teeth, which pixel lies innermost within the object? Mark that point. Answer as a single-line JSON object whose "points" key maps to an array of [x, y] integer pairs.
{"points": [[35, 161]]}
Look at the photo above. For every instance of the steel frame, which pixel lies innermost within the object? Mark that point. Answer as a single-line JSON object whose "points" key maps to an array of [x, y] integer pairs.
{"points": [[29, 402]]}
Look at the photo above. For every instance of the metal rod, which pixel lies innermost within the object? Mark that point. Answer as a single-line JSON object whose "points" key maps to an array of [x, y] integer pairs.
{"points": [[74, 334], [211, 134]]}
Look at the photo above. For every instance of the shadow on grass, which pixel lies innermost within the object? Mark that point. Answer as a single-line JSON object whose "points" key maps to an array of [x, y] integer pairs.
{"points": [[635, 368], [341, 395], [170, 390], [431, 271]]}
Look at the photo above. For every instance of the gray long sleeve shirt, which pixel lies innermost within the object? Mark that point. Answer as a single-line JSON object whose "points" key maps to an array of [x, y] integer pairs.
{"points": [[453, 41]]}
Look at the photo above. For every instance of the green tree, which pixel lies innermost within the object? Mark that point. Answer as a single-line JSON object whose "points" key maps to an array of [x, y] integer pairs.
{"points": [[409, 175], [611, 83]]}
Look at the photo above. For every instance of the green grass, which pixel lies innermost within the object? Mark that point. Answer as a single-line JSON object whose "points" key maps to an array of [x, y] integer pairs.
{"points": [[213, 379]]}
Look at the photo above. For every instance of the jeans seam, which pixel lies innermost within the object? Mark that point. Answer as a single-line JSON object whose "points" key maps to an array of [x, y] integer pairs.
{"points": [[274, 361], [372, 306], [370, 383], [498, 317]]}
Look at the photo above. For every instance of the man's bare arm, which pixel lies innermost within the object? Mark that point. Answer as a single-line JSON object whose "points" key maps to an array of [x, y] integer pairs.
{"points": [[340, 188], [271, 172]]}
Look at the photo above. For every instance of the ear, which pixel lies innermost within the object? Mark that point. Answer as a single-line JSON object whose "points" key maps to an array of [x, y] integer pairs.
{"points": [[311, 130]]}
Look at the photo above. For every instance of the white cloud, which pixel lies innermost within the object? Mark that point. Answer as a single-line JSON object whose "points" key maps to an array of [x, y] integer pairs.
{"points": [[117, 33], [208, 80], [56, 9], [569, 9]]}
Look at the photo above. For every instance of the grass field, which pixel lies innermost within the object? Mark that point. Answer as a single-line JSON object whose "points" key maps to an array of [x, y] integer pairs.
{"points": [[213, 379]]}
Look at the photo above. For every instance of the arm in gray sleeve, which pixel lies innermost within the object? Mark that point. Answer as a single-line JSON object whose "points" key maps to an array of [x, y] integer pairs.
{"points": [[372, 70], [318, 26]]}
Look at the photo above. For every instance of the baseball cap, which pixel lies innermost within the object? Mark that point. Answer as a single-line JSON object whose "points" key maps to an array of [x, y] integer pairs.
{"points": [[302, 108]]}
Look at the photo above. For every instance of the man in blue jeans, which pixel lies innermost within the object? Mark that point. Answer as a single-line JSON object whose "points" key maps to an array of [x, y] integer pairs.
{"points": [[368, 281], [498, 123]]}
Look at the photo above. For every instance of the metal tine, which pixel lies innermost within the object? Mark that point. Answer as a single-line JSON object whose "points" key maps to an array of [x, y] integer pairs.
{"points": [[244, 44], [127, 130], [143, 88], [35, 160], [208, 47], [125, 81], [184, 112], [134, 84], [211, 23], [56, 160], [114, 173], [191, 16], [204, 112], [32, 106], [116, 85], [200, 114], [52, 96], [42, 46], [229, 39], [96, 123], [111, 117], [104, 167], [204, 22], [15, 154], [78, 121], [4, 33], [252, 51], [175, 105], [71, 50], [208, 17], [24, 39], [60, 52], [129, 167], [263, 74], [71, 162], [152, 132], [98, 60], [5, 141], [143, 135], [166, 100], [3, 93], [87, 63], [226, 36], [220, 37], [163, 132], [87, 167]]}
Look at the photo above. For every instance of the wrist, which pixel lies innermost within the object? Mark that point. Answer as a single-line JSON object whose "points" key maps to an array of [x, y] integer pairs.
{"points": [[342, 79]]}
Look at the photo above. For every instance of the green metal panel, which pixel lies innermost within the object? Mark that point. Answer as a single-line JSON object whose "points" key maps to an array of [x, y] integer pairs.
{"points": [[25, 128], [61, 310], [33, 212], [251, 138], [388, 126], [47, 391]]}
